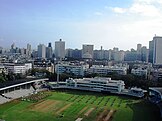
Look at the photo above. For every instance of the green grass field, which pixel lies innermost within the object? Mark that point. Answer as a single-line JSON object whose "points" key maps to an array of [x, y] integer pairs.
{"points": [[70, 105]]}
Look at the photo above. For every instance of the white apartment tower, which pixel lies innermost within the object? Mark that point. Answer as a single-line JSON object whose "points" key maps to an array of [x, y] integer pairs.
{"points": [[157, 50], [60, 49], [87, 51]]}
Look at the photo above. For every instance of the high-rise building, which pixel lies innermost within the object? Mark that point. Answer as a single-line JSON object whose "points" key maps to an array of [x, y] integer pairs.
{"points": [[49, 51], [157, 50], [69, 53], [60, 49], [1, 50], [77, 53], [49, 44], [22, 51], [98, 54], [130, 55], [87, 51], [41, 51], [107, 54], [151, 49], [139, 46], [12, 50], [28, 50], [119, 56], [144, 54]]}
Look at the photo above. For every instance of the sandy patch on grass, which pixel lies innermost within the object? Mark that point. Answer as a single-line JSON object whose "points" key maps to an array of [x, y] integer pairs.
{"points": [[45, 105], [89, 111], [79, 119], [102, 115], [109, 115], [82, 110]]}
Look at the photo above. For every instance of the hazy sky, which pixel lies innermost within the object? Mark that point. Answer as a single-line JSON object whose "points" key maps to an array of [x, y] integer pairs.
{"points": [[107, 23]]}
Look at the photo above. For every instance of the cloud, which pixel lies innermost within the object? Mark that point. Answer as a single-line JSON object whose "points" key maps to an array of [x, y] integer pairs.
{"points": [[145, 8], [119, 10], [148, 1], [98, 13], [136, 23]]}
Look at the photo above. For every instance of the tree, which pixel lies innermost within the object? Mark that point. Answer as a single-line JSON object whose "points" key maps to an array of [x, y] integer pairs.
{"points": [[2, 79]]}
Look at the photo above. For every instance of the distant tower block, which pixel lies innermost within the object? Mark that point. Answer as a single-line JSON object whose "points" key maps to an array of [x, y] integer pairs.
{"points": [[60, 49]]}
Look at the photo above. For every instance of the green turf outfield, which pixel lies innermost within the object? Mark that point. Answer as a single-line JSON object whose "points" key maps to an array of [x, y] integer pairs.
{"points": [[70, 105]]}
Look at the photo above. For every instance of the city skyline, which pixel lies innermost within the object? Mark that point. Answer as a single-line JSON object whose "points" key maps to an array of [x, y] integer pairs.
{"points": [[121, 24]]}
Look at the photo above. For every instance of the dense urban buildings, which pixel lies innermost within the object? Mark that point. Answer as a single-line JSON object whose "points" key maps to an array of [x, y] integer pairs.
{"points": [[141, 61]]}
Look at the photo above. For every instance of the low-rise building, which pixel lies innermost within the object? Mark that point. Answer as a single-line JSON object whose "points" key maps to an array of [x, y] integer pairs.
{"points": [[139, 72], [28, 66], [44, 65], [104, 70], [71, 68], [15, 68], [97, 84], [156, 74]]}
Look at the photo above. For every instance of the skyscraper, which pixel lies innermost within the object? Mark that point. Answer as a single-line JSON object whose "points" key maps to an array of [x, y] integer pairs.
{"points": [[157, 50], [151, 50], [60, 49], [49, 51], [87, 51], [139, 46], [28, 50], [144, 54], [41, 51]]}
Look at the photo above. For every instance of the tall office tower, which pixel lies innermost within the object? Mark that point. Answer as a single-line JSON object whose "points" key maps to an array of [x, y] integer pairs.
{"points": [[49, 44], [49, 51], [144, 54], [12, 50], [28, 50], [60, 49], [157, 50], [41, 51], [151, 49], [87, 51], [1, 50], [139, 46]]}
